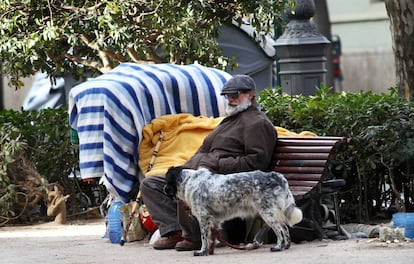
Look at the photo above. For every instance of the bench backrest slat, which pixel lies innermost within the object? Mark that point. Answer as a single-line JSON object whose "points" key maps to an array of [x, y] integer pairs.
{"points": [[302, 176], [304, 161], [315, 170], [300, 163], [303, 183], [305, 149], [300, 156]]}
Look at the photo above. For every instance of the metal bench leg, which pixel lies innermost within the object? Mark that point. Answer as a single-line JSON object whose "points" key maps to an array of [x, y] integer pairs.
{"points": [[331, 188], [337, 216]]}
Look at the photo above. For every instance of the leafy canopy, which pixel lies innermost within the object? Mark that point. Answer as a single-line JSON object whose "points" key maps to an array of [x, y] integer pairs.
{"points": [[69, 37]]}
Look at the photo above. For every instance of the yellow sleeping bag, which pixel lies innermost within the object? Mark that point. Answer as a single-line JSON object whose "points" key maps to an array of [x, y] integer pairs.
{"points": [[171, 140]]}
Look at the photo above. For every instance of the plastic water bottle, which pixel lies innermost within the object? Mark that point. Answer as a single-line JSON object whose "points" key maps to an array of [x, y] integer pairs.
{"points": [[115, 222]]}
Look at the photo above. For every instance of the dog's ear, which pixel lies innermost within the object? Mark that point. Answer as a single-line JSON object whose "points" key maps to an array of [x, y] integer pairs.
{"points": [[171, 178], [176, 171]]}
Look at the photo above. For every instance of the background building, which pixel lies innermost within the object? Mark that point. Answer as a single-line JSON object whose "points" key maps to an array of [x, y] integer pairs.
{"points": [[11, 98], [367, 60]]}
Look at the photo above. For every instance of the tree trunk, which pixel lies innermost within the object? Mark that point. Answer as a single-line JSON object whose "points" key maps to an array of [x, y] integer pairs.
{"points": [[1, 92], [401, 14]]}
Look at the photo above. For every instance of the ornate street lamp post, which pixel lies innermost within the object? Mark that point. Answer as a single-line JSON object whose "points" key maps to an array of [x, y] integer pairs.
{"points": [[301, 51]]}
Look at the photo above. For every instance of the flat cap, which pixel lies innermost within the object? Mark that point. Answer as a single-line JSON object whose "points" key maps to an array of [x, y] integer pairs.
{"points": [[239, 82]]}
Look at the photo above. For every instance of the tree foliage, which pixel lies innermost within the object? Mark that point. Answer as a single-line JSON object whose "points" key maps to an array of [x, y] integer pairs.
{"points": [[70, 37]]}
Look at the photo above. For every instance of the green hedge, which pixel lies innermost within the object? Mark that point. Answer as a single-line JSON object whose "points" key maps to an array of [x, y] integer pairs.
{"points": [[378, 166], [47, 139]]}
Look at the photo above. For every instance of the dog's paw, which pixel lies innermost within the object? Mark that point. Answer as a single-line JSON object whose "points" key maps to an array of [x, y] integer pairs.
{"points": [[286, 245], [253, 245], [201, 253], [276, 248]]}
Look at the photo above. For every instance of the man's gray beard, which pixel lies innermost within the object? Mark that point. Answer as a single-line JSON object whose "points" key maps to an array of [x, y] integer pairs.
{"points": [[234, 109]]}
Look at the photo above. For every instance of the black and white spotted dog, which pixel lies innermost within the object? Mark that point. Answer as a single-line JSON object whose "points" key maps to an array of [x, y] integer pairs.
{"points": [[215, 198]]}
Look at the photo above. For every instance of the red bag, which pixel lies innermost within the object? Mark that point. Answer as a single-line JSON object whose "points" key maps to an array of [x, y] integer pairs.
{"points": [[146, 220]]}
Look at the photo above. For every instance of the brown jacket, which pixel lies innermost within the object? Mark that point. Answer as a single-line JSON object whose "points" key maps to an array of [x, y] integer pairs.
{"points": [[241, 142]]}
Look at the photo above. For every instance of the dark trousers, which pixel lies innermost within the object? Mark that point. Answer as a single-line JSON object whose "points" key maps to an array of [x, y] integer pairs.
{"points": [[166, 213]]}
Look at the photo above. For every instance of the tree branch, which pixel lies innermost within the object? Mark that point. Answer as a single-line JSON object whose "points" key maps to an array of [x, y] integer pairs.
{"points": [[107, 63], [88, 63], [115, 56], [90, 10], [398, 200]]}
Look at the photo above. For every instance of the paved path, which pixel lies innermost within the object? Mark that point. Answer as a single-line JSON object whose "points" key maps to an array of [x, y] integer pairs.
{"points": [[82, 243]]}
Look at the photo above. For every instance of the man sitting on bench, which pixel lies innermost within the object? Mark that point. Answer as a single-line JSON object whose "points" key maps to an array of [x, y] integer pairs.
{"points": [[243, 141]]}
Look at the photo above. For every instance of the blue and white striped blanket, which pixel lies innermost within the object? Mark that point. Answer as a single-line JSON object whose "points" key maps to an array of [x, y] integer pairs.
{"points": [[110, 111]]}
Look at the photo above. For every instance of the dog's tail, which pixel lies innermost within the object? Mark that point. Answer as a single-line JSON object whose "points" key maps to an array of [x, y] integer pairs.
{"points": [[293, 215]]}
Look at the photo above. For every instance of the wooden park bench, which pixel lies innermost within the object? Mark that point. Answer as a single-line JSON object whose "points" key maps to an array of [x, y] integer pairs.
{"points": [[304, 161]]}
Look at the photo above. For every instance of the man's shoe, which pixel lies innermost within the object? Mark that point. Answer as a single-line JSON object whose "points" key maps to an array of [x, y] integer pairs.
{"points": [[187, 245], [168, 242]]}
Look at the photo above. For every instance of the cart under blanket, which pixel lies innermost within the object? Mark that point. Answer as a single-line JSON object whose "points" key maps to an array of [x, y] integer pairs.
{"points": [[110, 111]]}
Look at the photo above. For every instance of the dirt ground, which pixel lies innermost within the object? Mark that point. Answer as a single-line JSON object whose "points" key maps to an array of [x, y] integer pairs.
{"points": [[82, 242]]}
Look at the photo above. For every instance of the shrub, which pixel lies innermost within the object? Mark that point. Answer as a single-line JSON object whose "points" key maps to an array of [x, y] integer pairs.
{"points": [[35, 152]]}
